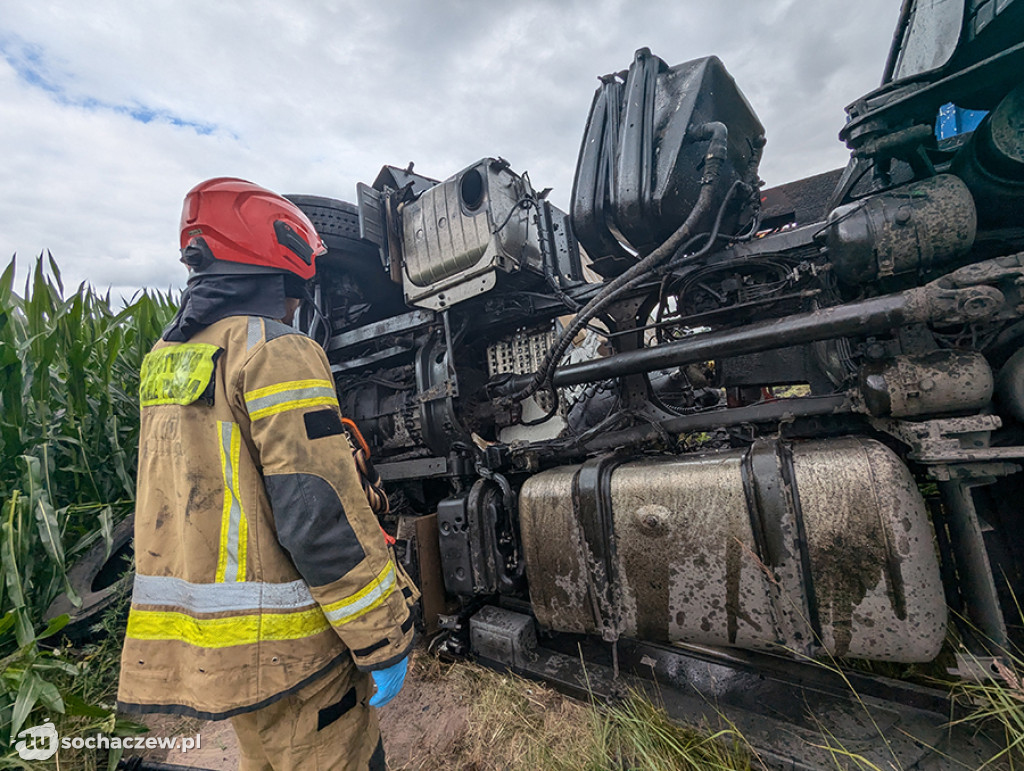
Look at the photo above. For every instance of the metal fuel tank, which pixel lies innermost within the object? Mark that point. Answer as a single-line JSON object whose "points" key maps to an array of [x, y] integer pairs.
{"points": [[814, 547]]}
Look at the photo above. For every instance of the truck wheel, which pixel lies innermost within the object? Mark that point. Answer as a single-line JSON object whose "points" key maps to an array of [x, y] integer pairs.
{"points": [[333, 219], [99, 580], [350, 257]]}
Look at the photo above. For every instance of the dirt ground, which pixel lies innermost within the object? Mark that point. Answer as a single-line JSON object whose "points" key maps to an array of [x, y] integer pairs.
{"points": [[422, 727]]}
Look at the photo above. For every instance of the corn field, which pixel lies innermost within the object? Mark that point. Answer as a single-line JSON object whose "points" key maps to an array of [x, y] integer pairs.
{"points": [[68, 436]]}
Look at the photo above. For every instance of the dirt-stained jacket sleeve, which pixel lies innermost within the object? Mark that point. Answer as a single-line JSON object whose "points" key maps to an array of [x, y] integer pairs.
{"points": [[321, 513]]}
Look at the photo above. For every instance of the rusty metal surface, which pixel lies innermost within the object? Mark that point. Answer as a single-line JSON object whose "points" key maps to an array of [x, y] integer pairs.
{"points": [[690, 566], [431, 581]]}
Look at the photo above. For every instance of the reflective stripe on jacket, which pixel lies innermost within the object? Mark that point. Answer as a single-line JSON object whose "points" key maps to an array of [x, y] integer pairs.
{"points": [[259, 562]]}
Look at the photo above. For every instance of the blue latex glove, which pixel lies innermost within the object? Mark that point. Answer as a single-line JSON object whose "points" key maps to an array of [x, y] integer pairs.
{"points": [[389, 682]]}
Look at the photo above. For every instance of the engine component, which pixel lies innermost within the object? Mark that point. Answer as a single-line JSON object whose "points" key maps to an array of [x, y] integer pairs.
{"points": [[502, 636], [479, 550], [913, 227], [389, 415], [638, 175], [459, 234], [932, 383], [825, 544], [521, 353], [963, 296], [1010, 385], [992, 162]]}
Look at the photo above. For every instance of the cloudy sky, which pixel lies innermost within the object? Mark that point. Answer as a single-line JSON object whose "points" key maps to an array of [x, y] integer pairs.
{"points": [[110, 111]]}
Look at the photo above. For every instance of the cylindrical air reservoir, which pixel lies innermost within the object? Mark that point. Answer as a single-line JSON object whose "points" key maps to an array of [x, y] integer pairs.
{"points": [[912, 227], [927, 384], [822, 545], [1010, 386]]}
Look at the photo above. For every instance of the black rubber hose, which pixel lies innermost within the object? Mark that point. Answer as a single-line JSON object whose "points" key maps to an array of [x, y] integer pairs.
{"points": [[717, 152]]}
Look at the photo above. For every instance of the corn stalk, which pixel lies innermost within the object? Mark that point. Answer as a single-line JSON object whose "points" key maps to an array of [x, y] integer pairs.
{"points": [[68, 436]]}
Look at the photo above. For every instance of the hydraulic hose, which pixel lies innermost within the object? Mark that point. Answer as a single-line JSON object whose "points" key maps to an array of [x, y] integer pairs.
{"points": [[717, 135]]}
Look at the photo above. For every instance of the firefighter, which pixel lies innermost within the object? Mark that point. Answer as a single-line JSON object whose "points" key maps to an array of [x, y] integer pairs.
{"points": [[265, 591]]}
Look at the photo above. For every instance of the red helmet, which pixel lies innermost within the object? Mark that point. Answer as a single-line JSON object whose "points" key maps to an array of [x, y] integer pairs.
{"points": [[229, 225]]}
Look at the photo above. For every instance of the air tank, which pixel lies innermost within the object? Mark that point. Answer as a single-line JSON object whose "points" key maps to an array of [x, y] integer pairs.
{"points": [[816, 548]]}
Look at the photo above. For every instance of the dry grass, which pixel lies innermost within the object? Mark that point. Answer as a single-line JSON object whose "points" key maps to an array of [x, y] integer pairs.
{"points": [[512, 723], [997, 704]]}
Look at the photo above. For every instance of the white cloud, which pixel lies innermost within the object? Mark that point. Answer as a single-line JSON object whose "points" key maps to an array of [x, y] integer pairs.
{"points": [[315, 96]]}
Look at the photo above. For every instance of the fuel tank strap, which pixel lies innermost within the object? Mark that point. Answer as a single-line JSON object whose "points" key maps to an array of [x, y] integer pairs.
{"points": [[773, 503], [592, 506]]}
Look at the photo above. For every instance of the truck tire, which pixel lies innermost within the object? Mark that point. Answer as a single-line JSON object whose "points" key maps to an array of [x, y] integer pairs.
{"points": [[333, 219], [99, 580], [337, 222]]}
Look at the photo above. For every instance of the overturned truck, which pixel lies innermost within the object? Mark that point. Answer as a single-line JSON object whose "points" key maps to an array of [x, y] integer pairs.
{"points": [[694, 412], [692, 426]]}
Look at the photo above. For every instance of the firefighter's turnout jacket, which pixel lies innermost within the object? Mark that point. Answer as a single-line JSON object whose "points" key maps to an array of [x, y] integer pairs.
{"points": [[259, 562]]}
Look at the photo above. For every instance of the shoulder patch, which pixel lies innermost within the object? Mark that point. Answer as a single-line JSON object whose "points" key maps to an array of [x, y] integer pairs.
{"points": [[178, 374], [321, 423]]}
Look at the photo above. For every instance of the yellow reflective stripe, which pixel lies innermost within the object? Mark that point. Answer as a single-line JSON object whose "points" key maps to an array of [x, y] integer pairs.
{"points": [[291, 385], [224, 632], [234, 528], [365, 600], [290, 395], [293, 405], [243, 525]]}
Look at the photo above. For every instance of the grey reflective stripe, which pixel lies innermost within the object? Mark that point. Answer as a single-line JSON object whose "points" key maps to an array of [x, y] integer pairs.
{"points": [[228, 559], [291, 395], [275, 329], [254, 333], [340, 612], [219, 598]]}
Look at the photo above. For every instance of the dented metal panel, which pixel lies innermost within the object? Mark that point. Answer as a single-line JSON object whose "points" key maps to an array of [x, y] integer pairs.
{"points": [[828, 545]]}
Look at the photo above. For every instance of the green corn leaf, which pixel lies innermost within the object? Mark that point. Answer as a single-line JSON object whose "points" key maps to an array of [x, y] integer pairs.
{"points": [[7, 280], [114, 755], [12, 576], [28, 694], [55, 625], [7, 622], [106, 519], [55, 270], [75, 705], [52, 663], [49, 696], [48, 527], [120, 466]]}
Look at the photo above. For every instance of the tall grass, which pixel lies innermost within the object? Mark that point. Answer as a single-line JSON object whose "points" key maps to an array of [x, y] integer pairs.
{"points": [[996, 703], [68, 432]]}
